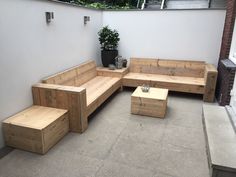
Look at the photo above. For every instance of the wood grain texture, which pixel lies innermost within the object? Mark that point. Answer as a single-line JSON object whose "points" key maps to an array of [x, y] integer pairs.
{"points": [[75, 76], [36, 129], [65, 97], [97, 86], [37, 117], [168, 67], [173, 83], [79, 90], [102, 71], [210, 78], [104, 92], [175, 75], [152, 103]]}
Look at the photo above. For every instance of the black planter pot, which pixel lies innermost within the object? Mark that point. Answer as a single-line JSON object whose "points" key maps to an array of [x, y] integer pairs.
{"points": [[108, 57]]}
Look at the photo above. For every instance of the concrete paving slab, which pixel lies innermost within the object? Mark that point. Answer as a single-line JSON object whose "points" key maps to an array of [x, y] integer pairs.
{"points": [[63, 164], [221, 138], [160, 174], [113, 169], [135, 153], [118, 143], [190, 138], [184, 119], [181, 162], [144, 132]]}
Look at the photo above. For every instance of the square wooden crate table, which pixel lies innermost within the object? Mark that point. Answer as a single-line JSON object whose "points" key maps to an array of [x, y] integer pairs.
{"points": [[36, 129], [152, 103]]}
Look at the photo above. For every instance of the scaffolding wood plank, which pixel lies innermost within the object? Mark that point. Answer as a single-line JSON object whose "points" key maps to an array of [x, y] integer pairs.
{"points": [[102, 71], [175, 75], [65, 97], [75, 76], [36, 129], [173, 83], [152, 103], [78, 90], [168, 67], [210, 78], [97, 95]]}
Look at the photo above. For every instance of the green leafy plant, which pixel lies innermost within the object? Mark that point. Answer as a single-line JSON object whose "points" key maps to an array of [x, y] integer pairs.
{"points": [[105, 4], [98, 5], [108, 38]]}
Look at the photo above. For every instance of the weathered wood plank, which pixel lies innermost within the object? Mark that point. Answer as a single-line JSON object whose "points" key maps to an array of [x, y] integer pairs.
{"points": [[54, 132], [210, 78], [36, 129], [173, 83], [36, 96], [168, 67], [152, 103], [85, 77], [101, 71], [97, 86], [107, 86], [64, 97], [74, 76]]}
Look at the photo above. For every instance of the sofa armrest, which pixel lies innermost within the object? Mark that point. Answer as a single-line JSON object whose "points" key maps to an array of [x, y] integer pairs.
{"points": [[210, 78], [65, 97]]}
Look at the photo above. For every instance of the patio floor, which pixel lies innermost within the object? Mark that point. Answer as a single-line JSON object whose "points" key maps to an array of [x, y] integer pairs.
{"points": [[118, 144]]}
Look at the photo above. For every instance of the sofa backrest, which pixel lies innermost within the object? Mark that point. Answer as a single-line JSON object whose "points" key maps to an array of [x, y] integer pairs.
{"points": [[75, 76], [167, 67]]}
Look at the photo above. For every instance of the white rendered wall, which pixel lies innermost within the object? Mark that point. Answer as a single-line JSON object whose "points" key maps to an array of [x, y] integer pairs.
{"points": [[30, 49], [169, 34]]}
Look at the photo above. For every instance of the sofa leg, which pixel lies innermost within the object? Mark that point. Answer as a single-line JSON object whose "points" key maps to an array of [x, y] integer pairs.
{"points": [[209, 97], [83, 112], [121, 89], [84, 124]]}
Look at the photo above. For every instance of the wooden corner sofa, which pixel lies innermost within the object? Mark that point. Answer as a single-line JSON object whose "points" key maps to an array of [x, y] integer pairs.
{"points": [[79, 90], [64, 101], [82, 89], [175, 75]]}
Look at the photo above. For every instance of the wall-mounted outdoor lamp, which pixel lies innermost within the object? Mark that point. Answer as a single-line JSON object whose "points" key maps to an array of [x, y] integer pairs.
{"points": [[86, 19], [49, 16]]}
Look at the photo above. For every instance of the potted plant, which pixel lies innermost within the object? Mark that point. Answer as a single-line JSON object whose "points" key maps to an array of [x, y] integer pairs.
{"points": [[108, 39]]}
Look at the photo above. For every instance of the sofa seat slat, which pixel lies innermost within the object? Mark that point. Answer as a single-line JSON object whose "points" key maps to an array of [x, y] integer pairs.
{"points": [[97, 86], [173, 83]]}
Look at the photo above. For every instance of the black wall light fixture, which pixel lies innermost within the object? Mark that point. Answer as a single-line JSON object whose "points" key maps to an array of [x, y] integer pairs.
{"points": [[86, 19], [49, 17]]}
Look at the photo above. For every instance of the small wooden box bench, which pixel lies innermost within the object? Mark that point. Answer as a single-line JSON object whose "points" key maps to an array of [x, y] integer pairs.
{"points": [[80, 90], [175, 75], [36, 129], [152, 103]]}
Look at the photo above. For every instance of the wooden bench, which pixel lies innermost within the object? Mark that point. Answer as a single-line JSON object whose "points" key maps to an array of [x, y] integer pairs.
{"points": [[220, 140], [79, 89], [175, 75], [36, 129]]}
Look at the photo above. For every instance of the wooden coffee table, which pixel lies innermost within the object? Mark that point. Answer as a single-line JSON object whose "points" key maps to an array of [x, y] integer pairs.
{"points": [[152, 103]]}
